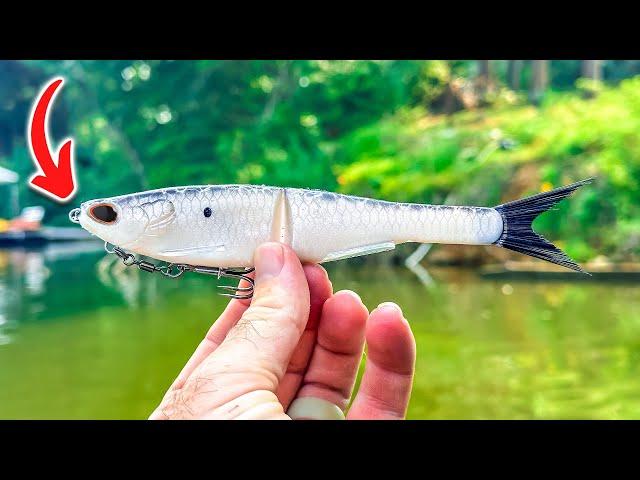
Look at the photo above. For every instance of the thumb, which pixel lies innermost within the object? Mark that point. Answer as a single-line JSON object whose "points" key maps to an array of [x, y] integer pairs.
{"points": [[266, 335]]}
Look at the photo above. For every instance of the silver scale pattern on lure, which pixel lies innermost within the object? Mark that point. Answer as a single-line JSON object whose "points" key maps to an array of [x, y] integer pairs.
{"points": [[220, 226]]}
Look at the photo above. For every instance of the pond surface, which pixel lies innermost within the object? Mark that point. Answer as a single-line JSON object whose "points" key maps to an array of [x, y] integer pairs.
{"points": [[81, 337]]}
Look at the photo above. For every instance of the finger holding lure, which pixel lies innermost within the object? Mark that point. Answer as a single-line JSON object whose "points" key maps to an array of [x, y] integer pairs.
{"points": [[215, 229]]}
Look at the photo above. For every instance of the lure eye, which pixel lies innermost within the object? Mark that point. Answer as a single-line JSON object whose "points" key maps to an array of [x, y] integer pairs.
{"points": [[103, 213], [207, 212]]}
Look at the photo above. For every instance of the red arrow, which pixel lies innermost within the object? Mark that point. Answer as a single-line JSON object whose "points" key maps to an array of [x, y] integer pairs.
{"points": [[55, 180]]}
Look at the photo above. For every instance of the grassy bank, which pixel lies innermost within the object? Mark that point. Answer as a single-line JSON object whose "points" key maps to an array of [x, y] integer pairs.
{"points": [[495, 154]]}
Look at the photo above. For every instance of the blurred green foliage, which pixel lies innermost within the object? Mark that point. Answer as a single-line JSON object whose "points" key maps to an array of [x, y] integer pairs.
{"points": [[420, 131], [416, 157]]}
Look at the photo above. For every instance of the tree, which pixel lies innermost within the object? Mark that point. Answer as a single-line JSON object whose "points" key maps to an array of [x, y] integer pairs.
{"points": [[257, 121], [539, 79], [514, 71], [592, 69], [484, 76]]}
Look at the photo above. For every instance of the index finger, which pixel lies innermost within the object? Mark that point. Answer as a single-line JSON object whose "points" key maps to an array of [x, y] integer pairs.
{"points": [[214, 337], [263, 340]]}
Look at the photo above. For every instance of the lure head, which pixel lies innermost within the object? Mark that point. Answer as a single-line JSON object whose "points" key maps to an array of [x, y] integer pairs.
{"points": [[125, 221]]}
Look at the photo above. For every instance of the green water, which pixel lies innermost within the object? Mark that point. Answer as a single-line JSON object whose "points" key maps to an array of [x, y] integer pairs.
{"points": [[81, 339]]}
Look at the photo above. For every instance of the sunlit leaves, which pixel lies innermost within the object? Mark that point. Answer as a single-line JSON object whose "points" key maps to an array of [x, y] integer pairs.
{"points": [[364, 127]]}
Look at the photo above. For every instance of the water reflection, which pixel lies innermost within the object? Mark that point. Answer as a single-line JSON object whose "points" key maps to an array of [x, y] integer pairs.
{"points": [[133, 285], [5, 336], [86, 337], [57, 279], [25, 276]]}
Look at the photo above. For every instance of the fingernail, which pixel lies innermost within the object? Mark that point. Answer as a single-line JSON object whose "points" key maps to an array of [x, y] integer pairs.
{"points": [[350, 292], [389, 305], [269, 260]]}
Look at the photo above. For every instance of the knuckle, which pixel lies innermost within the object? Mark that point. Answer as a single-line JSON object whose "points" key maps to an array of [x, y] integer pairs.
{"points": [[175, 407]]}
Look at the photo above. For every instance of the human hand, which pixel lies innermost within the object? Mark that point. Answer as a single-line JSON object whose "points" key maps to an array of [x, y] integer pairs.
{"points": [[296, 342]]}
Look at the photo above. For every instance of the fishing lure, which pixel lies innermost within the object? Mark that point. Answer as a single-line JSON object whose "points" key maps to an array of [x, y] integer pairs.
{"points": [[215, 229]]}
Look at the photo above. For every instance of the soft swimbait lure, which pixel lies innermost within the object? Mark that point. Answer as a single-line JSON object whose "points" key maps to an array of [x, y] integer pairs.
{"points": [[213, 228]]}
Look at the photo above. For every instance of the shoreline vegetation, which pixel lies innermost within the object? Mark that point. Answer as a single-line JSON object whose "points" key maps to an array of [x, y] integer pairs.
{"points": [[458, 159], [456, 132]]}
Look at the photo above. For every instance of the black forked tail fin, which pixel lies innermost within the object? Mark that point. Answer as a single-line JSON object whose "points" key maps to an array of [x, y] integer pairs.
{"points": [[518, 234]]}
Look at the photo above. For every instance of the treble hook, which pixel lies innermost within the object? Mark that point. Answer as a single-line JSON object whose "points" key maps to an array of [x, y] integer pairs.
{"points": [[240, 293]]}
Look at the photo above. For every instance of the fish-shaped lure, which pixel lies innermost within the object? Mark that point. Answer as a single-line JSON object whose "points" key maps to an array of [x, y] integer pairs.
{"points": [[221, 225]]}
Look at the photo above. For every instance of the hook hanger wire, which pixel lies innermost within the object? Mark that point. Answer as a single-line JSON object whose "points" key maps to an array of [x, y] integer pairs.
{"points": [[175, 270]]}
